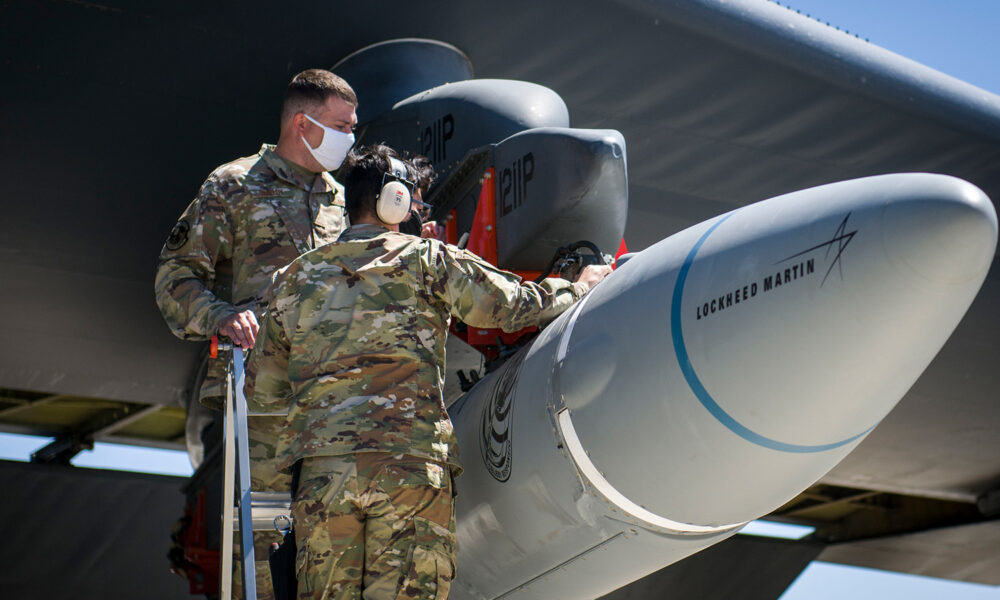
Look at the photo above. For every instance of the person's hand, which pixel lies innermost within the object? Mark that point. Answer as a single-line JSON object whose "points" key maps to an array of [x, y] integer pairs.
{"points": [[432, 231], [241, 328], [592, 274]]}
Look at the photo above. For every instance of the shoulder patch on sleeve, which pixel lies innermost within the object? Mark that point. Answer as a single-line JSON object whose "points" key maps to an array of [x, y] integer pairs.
{"points": [[178, 235]]}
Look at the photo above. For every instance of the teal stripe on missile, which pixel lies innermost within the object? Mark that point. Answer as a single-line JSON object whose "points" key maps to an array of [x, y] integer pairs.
{"points": [[695, 383]]}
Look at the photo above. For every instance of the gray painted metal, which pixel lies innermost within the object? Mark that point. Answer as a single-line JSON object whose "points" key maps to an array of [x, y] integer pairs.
{"points": [[88, 534], [227, 481], [552, 186], [722, 103], [741, 406], [255, 510], [385, 73], [743, 567], [446, 122], [930, 553], [555, 186], [236, 411]]}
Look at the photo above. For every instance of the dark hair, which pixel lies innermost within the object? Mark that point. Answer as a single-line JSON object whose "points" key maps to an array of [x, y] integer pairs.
{"points": [[362, 176], [312, 88], [425, 172]]}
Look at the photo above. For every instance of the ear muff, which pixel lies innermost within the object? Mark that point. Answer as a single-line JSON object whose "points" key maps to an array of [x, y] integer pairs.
{"points": [[393, 204], [397, 168]]}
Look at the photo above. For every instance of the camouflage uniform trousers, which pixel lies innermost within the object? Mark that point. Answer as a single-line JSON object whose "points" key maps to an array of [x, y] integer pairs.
{"points": [[264, 477], [375, 526]]}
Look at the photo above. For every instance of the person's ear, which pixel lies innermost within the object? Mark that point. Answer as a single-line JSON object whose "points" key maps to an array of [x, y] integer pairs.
{"points": [[299, 123]]}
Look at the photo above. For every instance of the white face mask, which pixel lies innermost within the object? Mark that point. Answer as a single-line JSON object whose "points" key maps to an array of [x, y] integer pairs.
{"points": [[332, 151]]}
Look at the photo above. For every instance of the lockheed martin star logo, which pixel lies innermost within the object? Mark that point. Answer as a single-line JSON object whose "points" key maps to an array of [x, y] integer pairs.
{"points": [[841, 238]]}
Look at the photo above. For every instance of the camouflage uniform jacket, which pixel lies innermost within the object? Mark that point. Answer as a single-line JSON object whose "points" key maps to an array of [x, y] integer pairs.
{"points": [[251, 217], [353, 342]]}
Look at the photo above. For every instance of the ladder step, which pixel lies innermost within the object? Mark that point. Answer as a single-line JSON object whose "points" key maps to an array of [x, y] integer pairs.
{"points": [[272, 511]]}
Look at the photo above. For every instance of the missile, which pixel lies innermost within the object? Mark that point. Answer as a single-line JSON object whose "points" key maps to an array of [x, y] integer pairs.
{"points": [[710, 379]]}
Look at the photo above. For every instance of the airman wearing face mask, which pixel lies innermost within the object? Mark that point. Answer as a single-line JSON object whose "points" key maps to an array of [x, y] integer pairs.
{"points": [[251, 217], [335, 144]]}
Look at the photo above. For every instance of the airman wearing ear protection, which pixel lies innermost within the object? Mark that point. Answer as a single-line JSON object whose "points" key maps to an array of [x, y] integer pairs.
{"points": [[353, 346]]}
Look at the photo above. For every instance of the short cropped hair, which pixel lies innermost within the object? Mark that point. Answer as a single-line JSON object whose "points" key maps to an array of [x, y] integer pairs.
{"points": [[311, 89], [362, 176]]}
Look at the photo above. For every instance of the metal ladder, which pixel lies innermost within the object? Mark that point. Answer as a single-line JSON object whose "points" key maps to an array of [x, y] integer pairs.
{"points": [[256, 511]]}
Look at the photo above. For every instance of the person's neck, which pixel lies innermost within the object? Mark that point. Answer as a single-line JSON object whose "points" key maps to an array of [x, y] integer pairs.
{"points": [[294, 152], [373, 220]]}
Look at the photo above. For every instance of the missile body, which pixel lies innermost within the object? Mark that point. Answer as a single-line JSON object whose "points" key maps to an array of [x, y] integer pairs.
{"points": [[709, 380]]}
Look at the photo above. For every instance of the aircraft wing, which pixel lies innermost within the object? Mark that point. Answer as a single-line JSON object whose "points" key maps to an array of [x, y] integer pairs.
{"points": [[114, 114]]}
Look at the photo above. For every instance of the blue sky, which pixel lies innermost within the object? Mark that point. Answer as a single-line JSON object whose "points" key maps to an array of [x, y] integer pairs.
{"points": [[104, 456], [956, 37]]}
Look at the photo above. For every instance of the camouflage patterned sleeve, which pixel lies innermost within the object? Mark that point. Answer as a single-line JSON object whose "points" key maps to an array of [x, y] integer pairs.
{"points": [[187, 267], [482, 295], [267, 388]]}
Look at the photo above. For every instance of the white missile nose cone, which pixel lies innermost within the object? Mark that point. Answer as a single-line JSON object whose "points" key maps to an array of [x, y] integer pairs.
{"points": [[946, 236]]}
